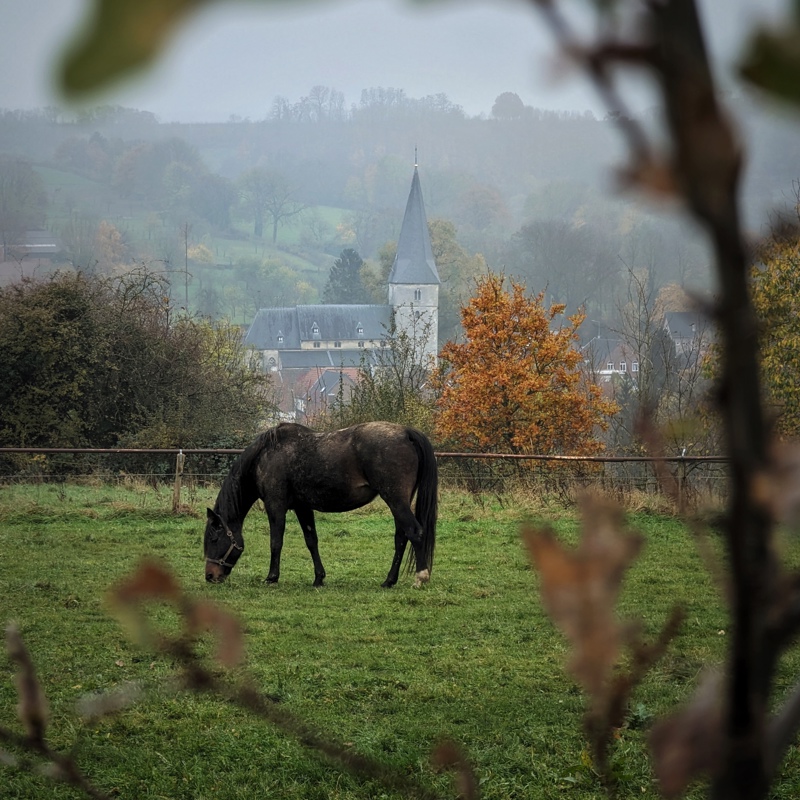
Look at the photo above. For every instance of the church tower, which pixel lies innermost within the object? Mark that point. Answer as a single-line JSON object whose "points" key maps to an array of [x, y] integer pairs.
{"points": [[414, 279]]}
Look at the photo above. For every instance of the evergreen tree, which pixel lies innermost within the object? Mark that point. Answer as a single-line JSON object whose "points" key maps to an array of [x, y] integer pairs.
{"points": [[345, 283]]}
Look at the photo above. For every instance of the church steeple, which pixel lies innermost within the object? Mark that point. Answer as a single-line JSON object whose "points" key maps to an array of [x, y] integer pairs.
{"points": [[414, 262], [414, 279]]}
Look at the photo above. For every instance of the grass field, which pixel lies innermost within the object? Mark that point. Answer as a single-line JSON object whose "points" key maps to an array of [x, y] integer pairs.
{"points": [[386, 674]]}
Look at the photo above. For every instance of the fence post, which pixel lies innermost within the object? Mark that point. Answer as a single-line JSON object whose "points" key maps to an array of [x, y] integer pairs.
{"points": [[682, 483], [176, 490]]}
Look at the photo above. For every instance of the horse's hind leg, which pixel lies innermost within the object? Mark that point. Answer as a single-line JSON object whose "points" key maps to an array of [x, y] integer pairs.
{"points": [[423, 574], [305, 516], [407, 529], [400, 542]]}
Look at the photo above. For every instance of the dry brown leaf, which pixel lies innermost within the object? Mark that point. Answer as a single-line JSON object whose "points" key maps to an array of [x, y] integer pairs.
{"points": [[150, 582], [689, 743], [654, 178], [580, 587], [32, 706], [448, 756], [227, 629]]}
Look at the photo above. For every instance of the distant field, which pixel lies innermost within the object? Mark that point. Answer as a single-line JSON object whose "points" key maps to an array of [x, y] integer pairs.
{"points": [[68, 192], [471, 657], [156, 241]]}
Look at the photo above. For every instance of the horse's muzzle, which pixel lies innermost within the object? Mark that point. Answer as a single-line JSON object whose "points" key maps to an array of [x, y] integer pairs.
{"points": [[215, 573]]}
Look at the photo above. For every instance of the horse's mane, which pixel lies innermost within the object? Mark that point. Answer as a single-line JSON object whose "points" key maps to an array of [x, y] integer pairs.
{"points": [[238, 491]]}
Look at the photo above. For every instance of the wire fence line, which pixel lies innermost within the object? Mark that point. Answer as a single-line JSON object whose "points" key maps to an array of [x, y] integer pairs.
{"points": [[692, 478]]}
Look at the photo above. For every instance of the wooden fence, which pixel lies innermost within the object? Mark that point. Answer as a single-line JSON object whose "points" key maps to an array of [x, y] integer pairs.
{"points": [[688, 478]]}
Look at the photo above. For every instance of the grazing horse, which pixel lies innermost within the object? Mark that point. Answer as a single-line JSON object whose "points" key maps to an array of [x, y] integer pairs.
{"points": [[291, 467]]}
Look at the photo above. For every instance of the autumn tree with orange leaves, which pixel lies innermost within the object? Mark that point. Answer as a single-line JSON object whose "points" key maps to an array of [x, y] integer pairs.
{"points": [[515, 384]]}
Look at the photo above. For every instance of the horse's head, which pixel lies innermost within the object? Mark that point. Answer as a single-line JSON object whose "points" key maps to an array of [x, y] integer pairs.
{"points": [[221, 546]]}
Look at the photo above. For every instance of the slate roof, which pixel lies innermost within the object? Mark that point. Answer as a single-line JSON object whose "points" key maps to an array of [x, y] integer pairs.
{"points": [[334, 322], [36, 242], [328, 382], [343, 321], [686, 324], [414, 262], [321, 359], [269, 324]]}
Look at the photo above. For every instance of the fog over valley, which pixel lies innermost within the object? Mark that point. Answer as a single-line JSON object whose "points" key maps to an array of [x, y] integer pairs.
{"points": [[324, 109]]}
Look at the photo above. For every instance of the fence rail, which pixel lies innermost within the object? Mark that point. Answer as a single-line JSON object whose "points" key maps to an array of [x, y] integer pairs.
{"points": [[692, 478]]}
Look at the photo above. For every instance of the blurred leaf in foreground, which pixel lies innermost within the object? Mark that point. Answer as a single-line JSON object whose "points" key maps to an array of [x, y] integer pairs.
{"points": [[580, 587], [688, 743], [32, 707], [772, 61], [121, 36], [152, 582]]}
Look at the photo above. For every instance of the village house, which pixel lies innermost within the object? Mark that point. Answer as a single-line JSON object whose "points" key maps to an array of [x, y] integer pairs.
{"points": [[609, 356], [685, 338]]}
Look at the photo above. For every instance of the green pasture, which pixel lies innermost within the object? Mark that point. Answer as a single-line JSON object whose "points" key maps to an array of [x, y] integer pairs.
{"points": [[70, 194], [386, 674]]}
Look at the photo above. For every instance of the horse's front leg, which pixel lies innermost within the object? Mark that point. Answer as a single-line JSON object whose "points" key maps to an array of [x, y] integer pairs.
{"points": [[277, 526], [305, 516]]}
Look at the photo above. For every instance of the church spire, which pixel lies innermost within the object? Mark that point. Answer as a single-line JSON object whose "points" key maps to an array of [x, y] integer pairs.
{"points": [[414, 262], [414, 279]]}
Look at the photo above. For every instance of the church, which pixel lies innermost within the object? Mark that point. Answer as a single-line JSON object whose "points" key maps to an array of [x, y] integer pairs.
{"points": [[315, 352]]}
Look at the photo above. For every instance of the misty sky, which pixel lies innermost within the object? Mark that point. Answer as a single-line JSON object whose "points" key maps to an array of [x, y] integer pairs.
{"points": [[235, 58]]}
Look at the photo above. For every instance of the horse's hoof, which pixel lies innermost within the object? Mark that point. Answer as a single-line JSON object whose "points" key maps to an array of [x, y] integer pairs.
{"points": [[387, 584], [423, 576], [271, 581], [319, 582]]}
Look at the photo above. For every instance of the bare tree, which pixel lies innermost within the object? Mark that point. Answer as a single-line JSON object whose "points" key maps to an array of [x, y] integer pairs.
{"points": [[268, 194]]}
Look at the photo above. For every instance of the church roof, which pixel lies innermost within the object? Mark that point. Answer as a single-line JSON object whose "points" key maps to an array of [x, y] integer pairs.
{"points": [[288, 328], [342, 321], [414, 262]]}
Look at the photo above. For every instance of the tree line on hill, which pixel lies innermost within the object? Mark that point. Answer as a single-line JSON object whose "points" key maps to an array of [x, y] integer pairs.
{"points": [[515, 188]]}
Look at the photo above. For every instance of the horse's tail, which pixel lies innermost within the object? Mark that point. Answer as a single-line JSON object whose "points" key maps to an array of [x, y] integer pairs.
{"points": [[426, 508]]}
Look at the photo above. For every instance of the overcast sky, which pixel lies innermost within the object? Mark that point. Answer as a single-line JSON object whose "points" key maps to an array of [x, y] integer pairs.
{"points": [[235, 58]]}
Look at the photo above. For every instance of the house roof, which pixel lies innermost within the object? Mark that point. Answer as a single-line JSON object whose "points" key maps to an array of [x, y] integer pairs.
{"points": [[288, 328], [269, 325], [34, 242], [321, 359], [328, 381], [414, 262], [685, 324], [343, 322]]}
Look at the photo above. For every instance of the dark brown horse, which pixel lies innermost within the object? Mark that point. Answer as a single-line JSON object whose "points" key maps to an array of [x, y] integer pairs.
{"points": [[290, 467]]}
